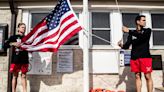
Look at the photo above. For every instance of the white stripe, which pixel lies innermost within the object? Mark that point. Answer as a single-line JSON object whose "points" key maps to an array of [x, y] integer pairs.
{"points": [[67, 32], [53, 39], [66, 15], [36, 33], [45, 27], [62, 28], [42, 46], [39, 38], [49, 33], [71, 29]]}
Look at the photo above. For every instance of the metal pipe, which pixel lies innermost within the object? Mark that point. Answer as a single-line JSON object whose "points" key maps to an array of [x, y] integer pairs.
{"points": [[13, 30]]}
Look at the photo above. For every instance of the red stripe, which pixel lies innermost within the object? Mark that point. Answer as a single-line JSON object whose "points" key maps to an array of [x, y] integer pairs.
{"points": [[68, 26], [44, 50], [66, 19], [62, 42], [44, 31], [53, 35], [45, 39], [69, 36], [42, 23], [48, 50]]}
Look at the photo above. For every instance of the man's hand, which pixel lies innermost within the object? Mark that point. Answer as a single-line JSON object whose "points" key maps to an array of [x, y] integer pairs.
{"points": [[125, 29], [120, 43], [16, 44]]}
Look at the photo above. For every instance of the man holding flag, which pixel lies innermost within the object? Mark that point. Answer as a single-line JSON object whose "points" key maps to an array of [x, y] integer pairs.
{"points": [[54, 30], [20, 60]]}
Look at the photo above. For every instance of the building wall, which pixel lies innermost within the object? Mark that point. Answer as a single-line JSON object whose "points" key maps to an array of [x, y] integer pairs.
{"points": [[3, 73], [125, 81], [58, 82], [73, 82], [5, 17]]}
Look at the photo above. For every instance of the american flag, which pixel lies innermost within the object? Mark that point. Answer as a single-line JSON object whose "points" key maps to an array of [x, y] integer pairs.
{"points": [[54, 30]]}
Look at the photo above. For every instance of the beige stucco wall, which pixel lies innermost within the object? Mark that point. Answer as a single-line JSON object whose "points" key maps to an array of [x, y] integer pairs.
{"points": [[58, 82], [5, 17], [126, 80], [3, 73], [73, 82], [61, 82]]}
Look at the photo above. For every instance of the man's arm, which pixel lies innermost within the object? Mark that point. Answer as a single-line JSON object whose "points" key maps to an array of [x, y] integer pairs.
{"points": [[9, 43], [129, 39], [127, 44]]}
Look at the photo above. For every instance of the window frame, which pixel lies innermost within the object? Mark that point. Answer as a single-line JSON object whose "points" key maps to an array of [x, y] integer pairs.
{"points": [[99, 29], [158, 29]]}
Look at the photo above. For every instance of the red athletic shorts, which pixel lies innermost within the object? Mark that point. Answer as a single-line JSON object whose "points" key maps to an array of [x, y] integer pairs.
{"points": [[19, 67], [141, 65]]}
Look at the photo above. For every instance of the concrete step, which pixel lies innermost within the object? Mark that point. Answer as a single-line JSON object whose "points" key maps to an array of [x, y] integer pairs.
{"points": [[160, 89]]}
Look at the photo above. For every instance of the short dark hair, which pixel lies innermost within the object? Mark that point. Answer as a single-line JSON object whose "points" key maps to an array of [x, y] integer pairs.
{"points": [[21, 24], [138, 18]]}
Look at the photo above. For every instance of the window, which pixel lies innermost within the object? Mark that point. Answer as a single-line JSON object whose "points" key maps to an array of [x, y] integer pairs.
{"points": [[158, 28], [3, 37], [129, 21], [101, 27], [37, 17]]}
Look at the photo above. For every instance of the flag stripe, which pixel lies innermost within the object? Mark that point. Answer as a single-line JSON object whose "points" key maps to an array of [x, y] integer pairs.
{"points": [[31, 39], [55, 44], [52, 49], [54, 30], [68, 16], [61, 26], [50, 46], [63, 21], [57, 34], [35, 31]]}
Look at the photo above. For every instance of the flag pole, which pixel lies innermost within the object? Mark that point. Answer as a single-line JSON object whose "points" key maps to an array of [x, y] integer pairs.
{"points": [[86, 47]]}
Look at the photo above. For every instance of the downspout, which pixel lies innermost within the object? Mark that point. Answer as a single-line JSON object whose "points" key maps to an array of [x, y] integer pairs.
{"points": [[14, 13]]}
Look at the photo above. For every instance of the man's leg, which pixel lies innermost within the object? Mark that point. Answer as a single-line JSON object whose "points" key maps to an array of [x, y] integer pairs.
{"points": [[24, 82], [146, 67], [138, 82], [149, 82], [14, 81], [24, 69], [135, 67]]}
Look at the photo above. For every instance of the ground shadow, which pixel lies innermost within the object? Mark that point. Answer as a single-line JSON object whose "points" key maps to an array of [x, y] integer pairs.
{"points": [[128, 78]]}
